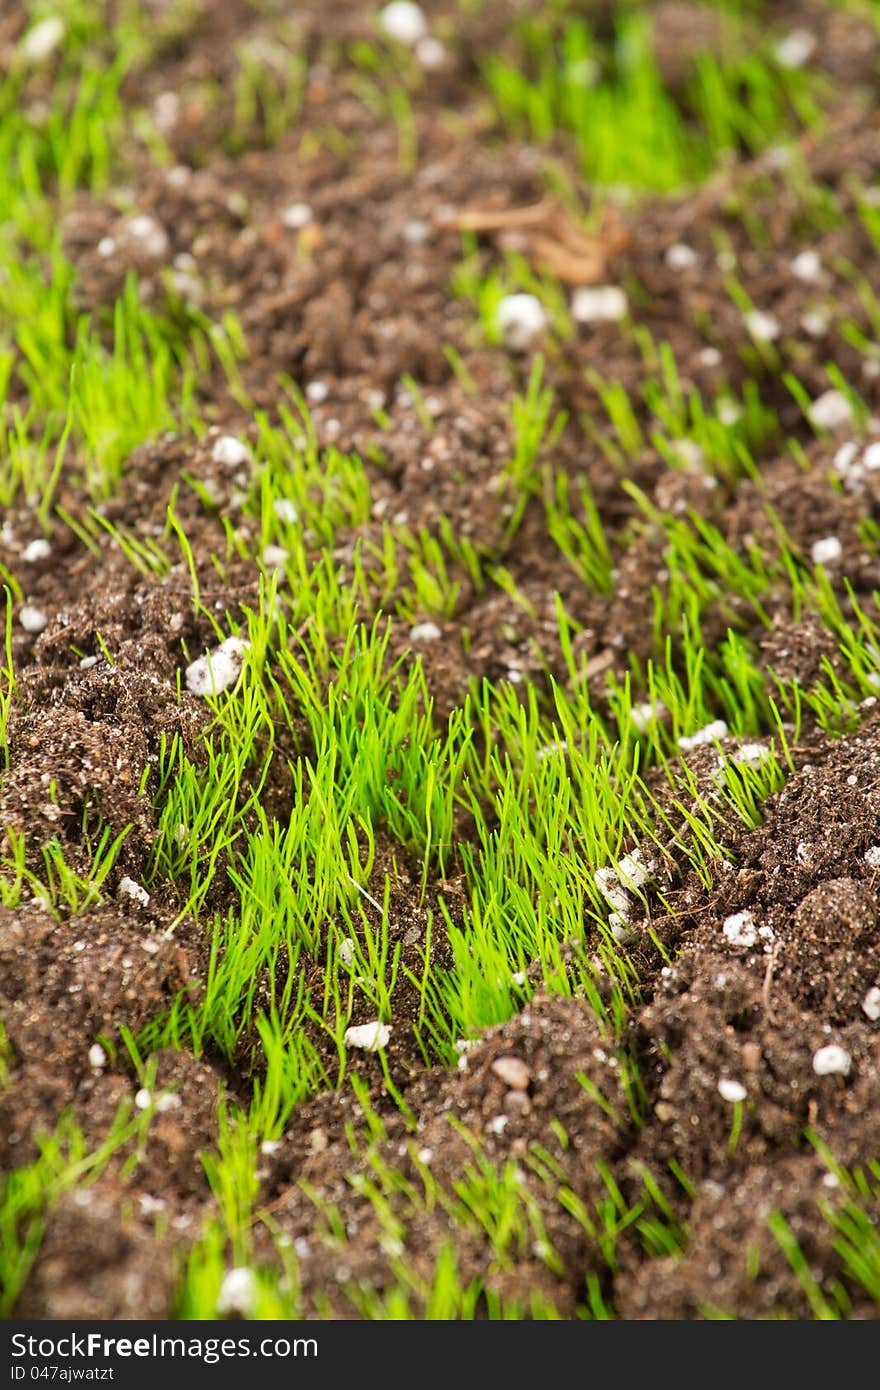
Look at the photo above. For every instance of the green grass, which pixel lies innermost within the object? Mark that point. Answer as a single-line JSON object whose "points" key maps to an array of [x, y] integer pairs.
{"points": [[628, 129], [529, 797]]}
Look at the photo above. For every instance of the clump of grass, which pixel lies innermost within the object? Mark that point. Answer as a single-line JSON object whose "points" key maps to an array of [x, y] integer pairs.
{"points": [[628, 128]]}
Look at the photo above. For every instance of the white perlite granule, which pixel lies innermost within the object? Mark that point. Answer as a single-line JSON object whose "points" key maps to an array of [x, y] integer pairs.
{"points": [[732, 1091], [150, 236], [217, 670], [431, 53], [871, 1004], [296, 216], [285, 511], [404, 22], [681, 257], [519, 319], [230, 452], [807, 267], [740, 929], [40, 549], [832, 1060], [425, 632], [831, 411], [604, 304], [795, 48], [764, 328], [32, 619], [710, 733], [643, 715], [616, 883], [370, 1037], [826, 551], [128, 888], [872, 857], [752, 754], [41, 41], [238, 1292]]}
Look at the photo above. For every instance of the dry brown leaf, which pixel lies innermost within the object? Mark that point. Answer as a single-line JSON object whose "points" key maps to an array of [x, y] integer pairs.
{"points": [[546, 234]]}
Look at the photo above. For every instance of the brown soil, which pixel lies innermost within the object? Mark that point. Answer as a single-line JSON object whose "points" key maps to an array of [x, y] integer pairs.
{"points": [[355, 306]]}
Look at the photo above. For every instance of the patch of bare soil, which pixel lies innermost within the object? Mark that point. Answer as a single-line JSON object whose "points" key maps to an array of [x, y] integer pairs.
{"points": [[349, 304]]}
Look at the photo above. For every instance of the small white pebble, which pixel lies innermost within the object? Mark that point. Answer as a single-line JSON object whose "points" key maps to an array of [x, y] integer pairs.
{"points": [[317, 392], [826, 551], [681, 257], [296, 215], [807, 266], [710, 357], [871, 1004], [425, 632], [128, 888], [732, 1091], [97, 1057], [764, 328], [740, 929], [832, 1060], [143, 1099], [230, 452], [603, 304], [106, 246], [795, 49], [404, 22], [831, 411], [709, 733], [169, 1100], [513, 1072], [32, 619], [370, 1037], [519, 319], [238, 1293], [41, 41], [39, 549], [498, 1124]]}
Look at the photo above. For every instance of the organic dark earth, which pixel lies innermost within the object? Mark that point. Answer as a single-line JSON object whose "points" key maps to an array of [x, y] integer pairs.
{"points": [[354, 305]]}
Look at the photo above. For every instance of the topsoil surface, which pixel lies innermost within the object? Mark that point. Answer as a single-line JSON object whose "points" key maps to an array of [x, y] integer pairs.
{"points": [[360, 300]]}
